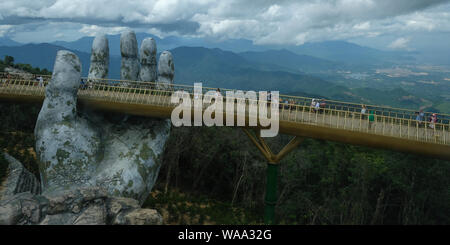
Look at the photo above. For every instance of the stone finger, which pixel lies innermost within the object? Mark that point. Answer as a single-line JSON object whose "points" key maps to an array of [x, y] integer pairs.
{"points": [[129, 69], [166, 70], [147, 58], [99, 58]]}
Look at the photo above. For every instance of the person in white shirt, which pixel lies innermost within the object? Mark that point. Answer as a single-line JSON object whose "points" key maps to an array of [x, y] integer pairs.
{"points": [[363, 111], [313, 105], [41, 81]]}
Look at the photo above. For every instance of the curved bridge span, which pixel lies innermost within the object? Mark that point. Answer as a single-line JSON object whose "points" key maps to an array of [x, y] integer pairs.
{"points": [[389, 128]]}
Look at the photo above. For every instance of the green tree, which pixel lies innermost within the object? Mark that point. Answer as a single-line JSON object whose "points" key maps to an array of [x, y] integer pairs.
{"points": [[9, 60]]}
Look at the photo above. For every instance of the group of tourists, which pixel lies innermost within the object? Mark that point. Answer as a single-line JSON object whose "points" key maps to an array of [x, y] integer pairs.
{"points": [[86, 84], [287, 104], [433, 119], [420, 117], [5, 78], [371, 116], [317, 105]]}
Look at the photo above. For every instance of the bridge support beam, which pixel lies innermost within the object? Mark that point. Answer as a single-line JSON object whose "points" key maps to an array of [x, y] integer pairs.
{"points": [[272, 170]]}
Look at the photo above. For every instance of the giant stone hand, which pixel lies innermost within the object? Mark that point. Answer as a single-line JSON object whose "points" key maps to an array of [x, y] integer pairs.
{"points": [[80, 147]]}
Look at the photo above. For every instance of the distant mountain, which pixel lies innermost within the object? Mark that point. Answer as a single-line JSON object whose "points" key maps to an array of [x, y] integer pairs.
{"points": [[236, 45], [4, 41], [38, 55], [43, 56], [218, 68], [341, 51], [221, 59], [214, 67], [332, 51], [225, 69], [296, 62], [83, 44]]}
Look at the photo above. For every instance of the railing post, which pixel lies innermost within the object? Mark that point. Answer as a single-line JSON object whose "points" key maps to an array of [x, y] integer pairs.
{"points": [[401, 122], [409, 125]]}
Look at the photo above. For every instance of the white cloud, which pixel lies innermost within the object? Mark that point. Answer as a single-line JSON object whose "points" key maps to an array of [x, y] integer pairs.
{"points": [[263, 21], [362, 26], [94, 30], [400, 43], [4, 29]]}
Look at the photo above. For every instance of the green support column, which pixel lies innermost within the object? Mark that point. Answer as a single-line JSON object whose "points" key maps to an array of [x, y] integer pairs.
{"points": [[271, 194], [272, 171]]}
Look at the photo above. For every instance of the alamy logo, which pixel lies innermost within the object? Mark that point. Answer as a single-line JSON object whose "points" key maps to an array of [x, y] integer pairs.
{"points": [[237, 107]]}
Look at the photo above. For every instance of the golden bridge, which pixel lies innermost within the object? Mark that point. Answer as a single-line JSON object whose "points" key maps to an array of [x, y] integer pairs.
{"points": [[380, 127], [389, 128]]}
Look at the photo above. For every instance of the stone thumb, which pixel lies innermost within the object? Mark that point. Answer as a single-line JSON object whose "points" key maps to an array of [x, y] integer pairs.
{"points": [[61, 94]]}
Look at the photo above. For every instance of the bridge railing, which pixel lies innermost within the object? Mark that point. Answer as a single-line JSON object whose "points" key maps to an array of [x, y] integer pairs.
{"points": [[297, 110], [377, 110], [22, 87], [376, 124], [344, 118], [23, 76], [330, 104]]}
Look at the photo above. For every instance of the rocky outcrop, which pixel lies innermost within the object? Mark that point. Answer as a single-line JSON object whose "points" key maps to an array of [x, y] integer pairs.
{"points": [[82, 206], [84, 148], [22, 204], [19, 179]]}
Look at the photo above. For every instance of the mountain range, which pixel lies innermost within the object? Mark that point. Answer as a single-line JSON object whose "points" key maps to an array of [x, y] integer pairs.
{"points": [[259, 71], [241, 65], [338, 51], [4, 41], [214, 67]]}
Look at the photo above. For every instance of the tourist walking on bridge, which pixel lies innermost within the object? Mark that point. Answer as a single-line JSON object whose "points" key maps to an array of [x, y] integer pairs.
{"points": [[371, 118], [433, 120], [418, 116], [322, 105], [363, 111], [421, 115], [317, 106], [313, 104], [41, 81]]}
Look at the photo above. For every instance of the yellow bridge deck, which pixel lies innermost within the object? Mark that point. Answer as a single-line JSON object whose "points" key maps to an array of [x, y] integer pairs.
{"points": [[392, 128]]}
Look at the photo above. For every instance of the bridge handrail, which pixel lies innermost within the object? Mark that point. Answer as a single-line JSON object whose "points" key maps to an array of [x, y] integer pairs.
{"points": [[355, 106], [386, 120], [19, 86], [378, 110], [281, 105]]}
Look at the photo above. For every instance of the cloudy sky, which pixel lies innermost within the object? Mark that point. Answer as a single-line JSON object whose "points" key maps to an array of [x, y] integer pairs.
{"points": [[386, 24]]}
